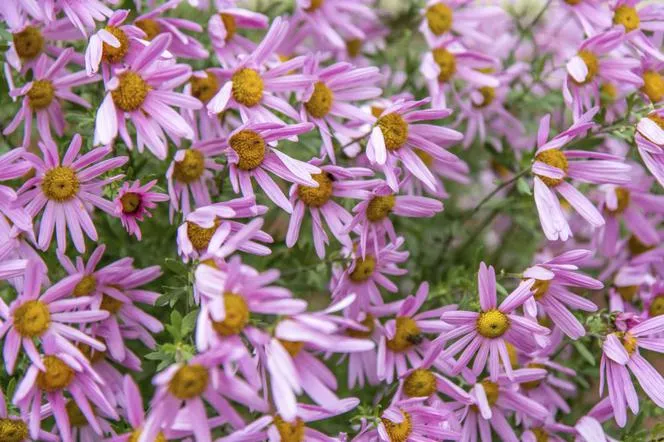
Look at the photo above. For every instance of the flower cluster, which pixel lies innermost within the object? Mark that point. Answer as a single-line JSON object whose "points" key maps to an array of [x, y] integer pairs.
{"points": [[349, 225]]}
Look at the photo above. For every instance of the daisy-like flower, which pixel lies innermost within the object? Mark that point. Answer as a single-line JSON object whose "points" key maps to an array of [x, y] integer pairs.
{"points": [[81, 14], [15, 428], [67, 190], [652, 73], [44, 317], [192, 173], [493, 399], [134, 202], [371, 216], [211, 231], [333, 181], [484, 335], [254, 84], [223, 28], [182, 45], [113, 46], [589, 427], [449, 61], [458, 17], [13, 166], [553, 165], [396, 137], [592, 15], [592, 66], [251, 154], [364, 275], [276, 428], [335, 88], [44, 96], [547, 391], [537, 430], [143, 93], [621, 355], [550, 292], [424, 382], [54, 376], [650, 142], [411, 420], [636, 16], [184, 389], [332, 21]]}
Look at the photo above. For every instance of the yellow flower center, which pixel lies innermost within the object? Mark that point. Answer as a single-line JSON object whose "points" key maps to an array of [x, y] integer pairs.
{"points": [[189, 381], [653, 86], [657, 306], [608, 92], [250, 148], [592, 63], [200, 236], [191, 167], [364, 268], [623, 197], [446, 61], [289, 431], [380, 207], [76, 416], [60, 184], [628, 341], [41, 94], [247, 87], [32, 319], [237, 315], [536, 383], [540, 433], [130, 202], [398, 432], [131, 92], [420, 383], [394, 129], [627, 293], [92, 354], [204, 88], [354, 47], [28, 43], [368, 323], [376, 111], [406, 335], [13, 430], [230, 24], [492, 323], [511, 351], [321, 101], [136, 435], [316, 196], [150, 27], [626, 16], [657, 119], [540, 288], [110, 304], [57, 376], [314, 5], [115, 55], [492, 391], [553, 158], [87, 285], [425, 157], [636, 247], [573, 2], [439, 18], [488, 95], [292, 347]]}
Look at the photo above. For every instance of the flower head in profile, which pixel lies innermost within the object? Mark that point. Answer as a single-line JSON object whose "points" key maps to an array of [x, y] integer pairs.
{"points": [[143, 93], [223, 28], [134, 202], [253, 86], [397, 138], [44, 96], [649, 139], [67, 190], [485, 335], [553, 166]]}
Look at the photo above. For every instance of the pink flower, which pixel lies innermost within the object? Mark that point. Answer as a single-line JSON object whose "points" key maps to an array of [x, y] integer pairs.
{"points": [[228, 44], [395, 137], [81, 13], [143, 92], [67, 191], [636, 16], [44, 96], [649, 139], [134, 202], [12, 166], [484, 335]]}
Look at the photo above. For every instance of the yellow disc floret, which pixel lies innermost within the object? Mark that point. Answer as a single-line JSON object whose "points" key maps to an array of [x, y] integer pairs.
{"points": [[200, 236], [420, 383], [85, 286], [394, 129], [230, 24], [112, 54], [626, 16], [628, 341], [28, 43], [110, 304], [289, 431], [189, 381], [32, 319], [60, 184], [247, 87], [204, 88], [131, 202], [316, 196], [439, 18], [488, 95], [399, 432], [446, 61], [380, 207], [237, 315], [13, 430], [57, 376], [191, 168], [292, 347], [321, 100], [540, 288], [250, 148], [592, 63], [553, 158], [653, 86], [131, 91], [150, 27], [136, 435], [314, 5], [492, 323], [364, 268], [406, 335], [657, 306], [41, 94]]}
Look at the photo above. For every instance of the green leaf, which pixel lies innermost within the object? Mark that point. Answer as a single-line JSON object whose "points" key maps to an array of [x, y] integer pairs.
{"points": [[584, 352], [189, 322], [523, 187], [176, 266]]}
